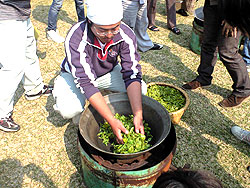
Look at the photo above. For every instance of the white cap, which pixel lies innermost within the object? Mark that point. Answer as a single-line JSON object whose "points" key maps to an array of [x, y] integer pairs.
{"points": [[104, 12]]}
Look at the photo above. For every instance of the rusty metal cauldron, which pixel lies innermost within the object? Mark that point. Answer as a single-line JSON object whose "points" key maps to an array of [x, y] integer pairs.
{"points": [[153, 113], [97, 176]]}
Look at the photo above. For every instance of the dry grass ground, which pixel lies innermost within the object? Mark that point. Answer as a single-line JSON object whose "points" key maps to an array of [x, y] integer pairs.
{"points": [[44, 152]]}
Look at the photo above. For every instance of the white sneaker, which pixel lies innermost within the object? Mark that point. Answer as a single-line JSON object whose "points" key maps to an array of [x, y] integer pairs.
{"points": [[53, 35], [241, 134]]}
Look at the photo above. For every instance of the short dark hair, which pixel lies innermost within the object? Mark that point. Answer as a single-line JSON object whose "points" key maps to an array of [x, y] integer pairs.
{"points": [[187, 178], [236, 13]]}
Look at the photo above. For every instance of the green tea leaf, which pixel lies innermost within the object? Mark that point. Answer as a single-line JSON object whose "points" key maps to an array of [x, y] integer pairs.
{"points": [[172, 99], [133, 142]]}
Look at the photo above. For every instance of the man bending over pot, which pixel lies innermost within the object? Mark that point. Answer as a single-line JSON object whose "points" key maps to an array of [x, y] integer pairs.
{"points": [[92, 48]]}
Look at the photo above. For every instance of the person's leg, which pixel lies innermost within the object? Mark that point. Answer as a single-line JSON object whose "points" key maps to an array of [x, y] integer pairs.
{"points": [[131, 12], [228, 51], [53, 13], [171, 13], [69, 101], [113, 81], [12, 59], [209, 44], [246, 51], [151, 12], [182, 10], [80, 10], [52, 33], [144, 42], [32, 80], [208, 48], [12, 63]]}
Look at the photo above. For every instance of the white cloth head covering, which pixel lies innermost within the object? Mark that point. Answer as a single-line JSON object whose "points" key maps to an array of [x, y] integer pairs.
{"points": [[104, 12]]}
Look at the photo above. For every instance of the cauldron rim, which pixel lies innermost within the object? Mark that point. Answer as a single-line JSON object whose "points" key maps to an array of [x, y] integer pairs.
{"points": [[116, 96]]}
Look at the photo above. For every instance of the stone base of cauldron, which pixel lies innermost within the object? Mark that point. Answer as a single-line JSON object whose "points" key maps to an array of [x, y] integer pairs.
{"points": [[96, 175]]}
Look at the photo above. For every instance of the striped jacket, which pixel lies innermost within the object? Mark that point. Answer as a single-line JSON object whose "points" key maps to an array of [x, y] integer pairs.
{"points": [[86, 61], [14, 9]]}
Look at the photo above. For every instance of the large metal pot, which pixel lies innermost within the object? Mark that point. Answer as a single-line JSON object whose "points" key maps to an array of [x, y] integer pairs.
{"points": [[153, 113]]}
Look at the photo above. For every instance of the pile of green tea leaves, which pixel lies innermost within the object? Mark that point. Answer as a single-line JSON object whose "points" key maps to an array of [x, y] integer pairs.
{"points": [[133, 142], [171, 98]]}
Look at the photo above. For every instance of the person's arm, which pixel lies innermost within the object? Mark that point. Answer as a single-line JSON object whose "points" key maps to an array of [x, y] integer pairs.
{"points": [[98, 102], [132, 76], [135, 99]]}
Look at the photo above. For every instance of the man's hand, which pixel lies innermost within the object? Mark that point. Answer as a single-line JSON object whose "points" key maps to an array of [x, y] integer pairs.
{"points": [[228, 30], [118, 128], [139, 128], [135, 98]]}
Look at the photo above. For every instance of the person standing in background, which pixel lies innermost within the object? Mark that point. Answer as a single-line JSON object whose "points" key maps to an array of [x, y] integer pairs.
{"points": [[135, 16], [52, 33], [171, 16], [222, 37], [18, 60]]}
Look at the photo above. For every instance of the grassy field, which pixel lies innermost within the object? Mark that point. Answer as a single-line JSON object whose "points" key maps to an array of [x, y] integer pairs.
{"points": [[44, 152]]}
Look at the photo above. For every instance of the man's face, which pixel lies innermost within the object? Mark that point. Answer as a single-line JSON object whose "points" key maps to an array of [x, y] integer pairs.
{"points": [[105, 33]]}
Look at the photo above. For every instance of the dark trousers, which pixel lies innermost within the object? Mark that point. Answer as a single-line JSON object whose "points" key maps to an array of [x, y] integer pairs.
{"points": [[171, 12], [213, 42]]}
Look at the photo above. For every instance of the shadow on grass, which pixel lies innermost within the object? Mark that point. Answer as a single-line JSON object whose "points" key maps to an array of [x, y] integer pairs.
{"points": [[54, 117], [12, 172], [40, 54], [70, 140], [40, 13]]}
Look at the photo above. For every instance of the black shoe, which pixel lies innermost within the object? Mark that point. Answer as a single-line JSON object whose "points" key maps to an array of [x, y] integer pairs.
{"points": [[156, 47], [175, 30], [8, 125], [182, 12]]}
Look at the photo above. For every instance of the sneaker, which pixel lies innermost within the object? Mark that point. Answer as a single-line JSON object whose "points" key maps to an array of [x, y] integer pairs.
{"points": [[46, 91], [232, 101], [241, 134], [193, 85], [8, 125], [53, 35]]}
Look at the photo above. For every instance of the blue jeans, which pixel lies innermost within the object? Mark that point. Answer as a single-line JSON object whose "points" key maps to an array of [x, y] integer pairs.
{"points": [[246, 51], [55, 8]]}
